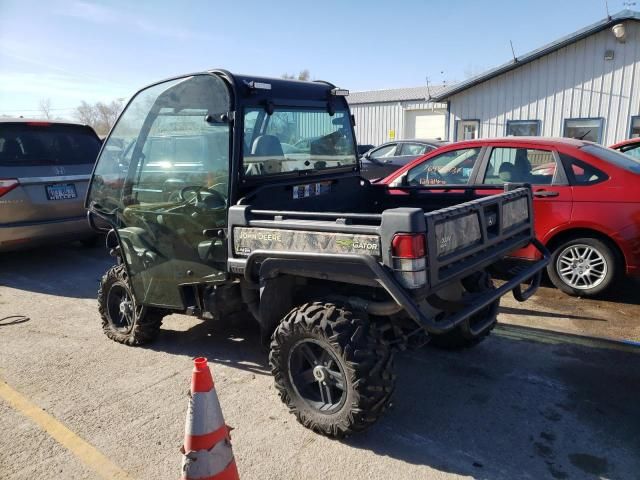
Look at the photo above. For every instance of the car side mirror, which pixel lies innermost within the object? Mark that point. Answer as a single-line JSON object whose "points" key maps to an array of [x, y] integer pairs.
{"points": [[404, 180]]}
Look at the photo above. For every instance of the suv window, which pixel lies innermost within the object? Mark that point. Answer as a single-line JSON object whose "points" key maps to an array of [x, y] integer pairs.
{"points": [[453, 167], [414, 149], [520, 165], [25, 144], [581, 173]]}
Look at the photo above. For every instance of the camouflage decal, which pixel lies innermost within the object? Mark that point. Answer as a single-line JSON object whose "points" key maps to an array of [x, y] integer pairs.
{"points": [[451, 235], [246, 240], [515, 212]]}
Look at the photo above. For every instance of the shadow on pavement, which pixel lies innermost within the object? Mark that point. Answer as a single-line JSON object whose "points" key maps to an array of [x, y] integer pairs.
{"points": [[538, 313], [515, 409], [516, 406], [236, 344], [69, 270]]}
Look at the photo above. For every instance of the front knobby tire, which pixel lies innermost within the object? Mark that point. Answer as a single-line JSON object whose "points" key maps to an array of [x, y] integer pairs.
{"points": [[332, 368], [122, 319]]}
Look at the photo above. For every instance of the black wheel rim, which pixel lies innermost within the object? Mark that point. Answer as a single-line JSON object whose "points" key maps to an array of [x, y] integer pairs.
{"points": [[317, 376], [121, 308]]}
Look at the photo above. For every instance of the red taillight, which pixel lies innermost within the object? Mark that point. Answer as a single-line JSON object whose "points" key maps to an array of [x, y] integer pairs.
{"points": [[406, 245], [39, 124], [7, 185]]}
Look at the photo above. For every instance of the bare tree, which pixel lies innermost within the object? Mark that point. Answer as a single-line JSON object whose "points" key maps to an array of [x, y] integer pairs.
{"points": [[303, 75], [45, 108], [101, 116]]}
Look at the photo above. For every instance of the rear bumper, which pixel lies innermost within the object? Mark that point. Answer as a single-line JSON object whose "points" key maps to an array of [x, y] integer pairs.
{"points": [[270, 264], [15, 236]]}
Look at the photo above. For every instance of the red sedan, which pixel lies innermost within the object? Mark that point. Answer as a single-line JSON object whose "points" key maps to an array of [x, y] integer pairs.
{"points": [[586, 197]]}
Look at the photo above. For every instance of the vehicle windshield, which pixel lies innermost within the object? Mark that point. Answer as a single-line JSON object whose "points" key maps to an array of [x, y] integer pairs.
{"points": [[296, 140], [42, 143], [613, 156]]}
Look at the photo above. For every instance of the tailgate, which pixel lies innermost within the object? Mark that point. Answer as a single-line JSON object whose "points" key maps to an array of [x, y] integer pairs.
{"points": [[475, 234], [42, 195]]}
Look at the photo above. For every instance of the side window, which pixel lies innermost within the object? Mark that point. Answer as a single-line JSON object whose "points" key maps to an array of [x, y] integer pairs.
{"points": [[413, 149], [383, 152], [581, 173], [181, 151], [452, 167], [520, 165]]}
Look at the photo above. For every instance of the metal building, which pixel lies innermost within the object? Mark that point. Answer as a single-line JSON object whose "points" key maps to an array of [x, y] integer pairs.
{"points": [[583, 85], [384, 115]]}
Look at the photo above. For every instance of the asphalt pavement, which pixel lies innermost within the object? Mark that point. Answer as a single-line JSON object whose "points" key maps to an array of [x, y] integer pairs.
{"points": [[545, 396]]}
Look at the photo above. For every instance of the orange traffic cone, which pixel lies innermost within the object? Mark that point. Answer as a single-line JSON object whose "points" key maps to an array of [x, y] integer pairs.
{"points": [[207, 453]]}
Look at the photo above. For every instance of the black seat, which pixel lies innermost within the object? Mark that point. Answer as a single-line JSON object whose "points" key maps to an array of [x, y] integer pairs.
{"points": [[268, 146], [506, 172], [521, 167]]}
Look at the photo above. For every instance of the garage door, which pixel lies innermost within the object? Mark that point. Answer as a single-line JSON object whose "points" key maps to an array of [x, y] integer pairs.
{"points": [[423, 124]]}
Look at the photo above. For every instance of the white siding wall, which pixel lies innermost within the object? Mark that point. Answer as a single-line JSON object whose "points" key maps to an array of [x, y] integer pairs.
{"points": [[375, 120], [573, 82]]}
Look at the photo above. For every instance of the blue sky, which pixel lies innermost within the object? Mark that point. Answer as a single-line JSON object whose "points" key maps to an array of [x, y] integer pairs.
{"points": [[69, 51]]}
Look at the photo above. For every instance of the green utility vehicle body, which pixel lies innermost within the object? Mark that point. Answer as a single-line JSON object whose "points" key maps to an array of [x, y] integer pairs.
{"points": [[230, 194]]}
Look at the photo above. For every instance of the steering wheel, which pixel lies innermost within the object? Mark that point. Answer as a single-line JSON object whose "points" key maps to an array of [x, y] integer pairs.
{"points": [[201, 194]]}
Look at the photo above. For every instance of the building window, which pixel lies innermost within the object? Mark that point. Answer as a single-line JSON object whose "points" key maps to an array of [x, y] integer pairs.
{"points": [[523, 128], [584, 129], [634, 129], [467, 129]]}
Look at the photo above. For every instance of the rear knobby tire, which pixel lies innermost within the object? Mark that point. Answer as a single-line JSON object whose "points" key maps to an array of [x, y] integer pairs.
{"points": [[144, 323], [461, 337], [354, 346]]}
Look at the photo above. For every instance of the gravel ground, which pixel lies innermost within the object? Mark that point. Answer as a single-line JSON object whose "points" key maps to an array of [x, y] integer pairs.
{"points": [[527, 403]]}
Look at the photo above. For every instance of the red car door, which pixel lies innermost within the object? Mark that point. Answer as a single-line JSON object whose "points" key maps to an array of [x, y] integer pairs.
{"points": [[540, 166]]}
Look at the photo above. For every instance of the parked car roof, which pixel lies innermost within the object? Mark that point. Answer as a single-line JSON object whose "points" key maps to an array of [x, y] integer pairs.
{"points": [[41, 121], [539, 140], [629, 141]]}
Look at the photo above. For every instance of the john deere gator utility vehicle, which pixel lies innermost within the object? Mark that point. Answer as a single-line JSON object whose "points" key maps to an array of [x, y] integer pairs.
{"points": [[232, 193]]}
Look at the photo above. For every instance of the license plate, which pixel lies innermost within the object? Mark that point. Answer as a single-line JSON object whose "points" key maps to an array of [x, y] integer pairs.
{"points": [[61, 192]]}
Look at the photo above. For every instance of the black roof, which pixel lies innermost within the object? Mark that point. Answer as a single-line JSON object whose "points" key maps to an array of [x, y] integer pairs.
{"points": [[279, 88]]}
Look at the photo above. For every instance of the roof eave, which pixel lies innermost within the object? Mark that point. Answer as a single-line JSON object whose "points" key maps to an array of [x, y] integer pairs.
{"points": [[538, 53]]}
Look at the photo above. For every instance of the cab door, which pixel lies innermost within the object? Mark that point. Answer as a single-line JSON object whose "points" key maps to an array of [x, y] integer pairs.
{"points": [[540, 167], [162, 181]]}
